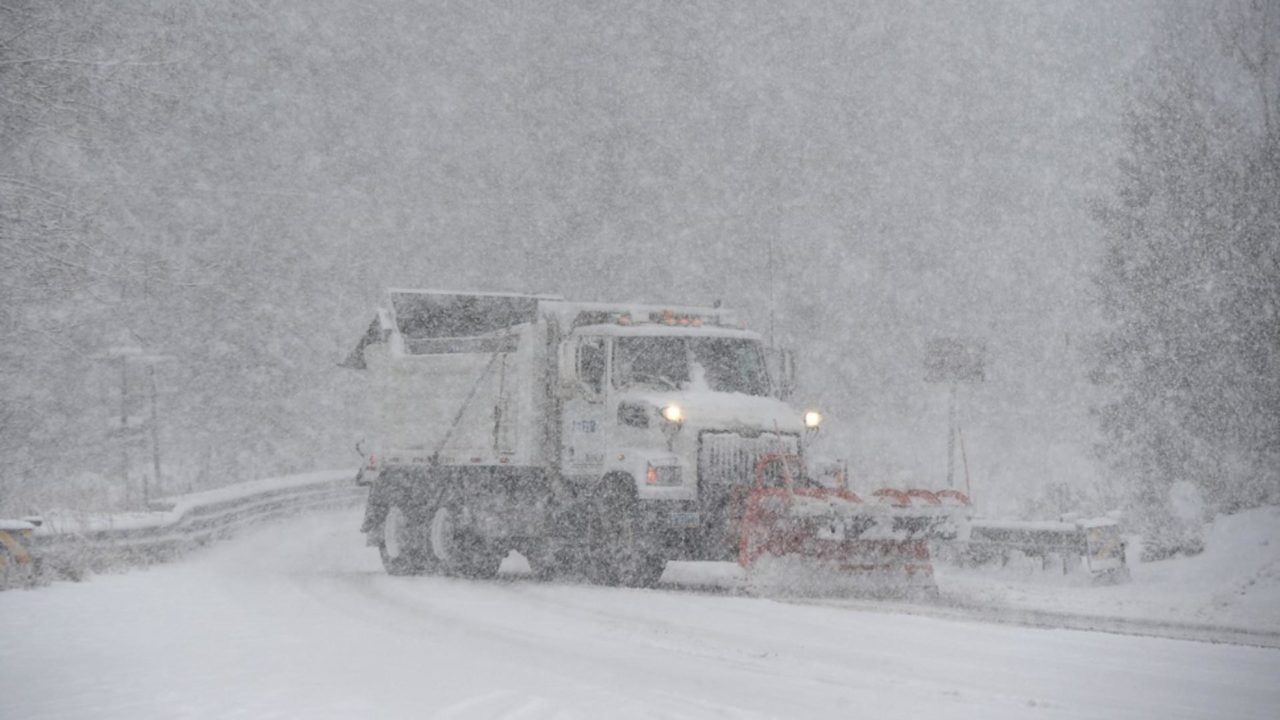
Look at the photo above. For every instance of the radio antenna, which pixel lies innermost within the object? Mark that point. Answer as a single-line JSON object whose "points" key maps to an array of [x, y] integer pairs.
{"points": [[771, 298]]}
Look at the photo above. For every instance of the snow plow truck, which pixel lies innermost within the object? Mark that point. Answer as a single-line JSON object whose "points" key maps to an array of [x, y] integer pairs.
{"points": [[601, 440]]}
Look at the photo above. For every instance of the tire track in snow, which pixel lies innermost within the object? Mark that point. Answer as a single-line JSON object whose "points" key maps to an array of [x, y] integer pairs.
{"points": [[1056, 620]]}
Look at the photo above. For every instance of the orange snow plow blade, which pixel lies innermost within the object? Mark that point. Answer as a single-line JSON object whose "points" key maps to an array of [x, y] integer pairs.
{"points": [[801, 537]]}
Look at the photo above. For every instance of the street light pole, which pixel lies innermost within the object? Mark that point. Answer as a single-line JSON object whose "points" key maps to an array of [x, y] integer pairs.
{"points": [[955, 361]]}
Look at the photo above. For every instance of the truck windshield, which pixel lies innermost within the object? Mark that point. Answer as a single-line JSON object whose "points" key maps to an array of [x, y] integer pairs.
{"points": [[690, 363]]}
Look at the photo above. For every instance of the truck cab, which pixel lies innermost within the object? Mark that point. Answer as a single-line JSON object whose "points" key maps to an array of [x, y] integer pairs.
{"points": [[682, 410]]}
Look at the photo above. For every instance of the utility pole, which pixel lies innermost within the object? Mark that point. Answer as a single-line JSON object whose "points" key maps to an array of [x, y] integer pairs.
{"points": [[131, 429], [151, 360], [155, 433], [124, 425]]}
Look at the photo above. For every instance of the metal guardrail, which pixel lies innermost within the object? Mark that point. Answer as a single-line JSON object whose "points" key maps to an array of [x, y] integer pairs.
{"points": [[68, 547], [1095, 546]]}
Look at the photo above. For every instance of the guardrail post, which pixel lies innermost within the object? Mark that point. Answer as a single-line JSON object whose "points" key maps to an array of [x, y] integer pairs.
{"points": [[14, 556]]}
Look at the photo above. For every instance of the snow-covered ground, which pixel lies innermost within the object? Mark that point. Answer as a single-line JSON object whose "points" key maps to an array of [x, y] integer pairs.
{"points": [[1235, 582], [297, 620]]}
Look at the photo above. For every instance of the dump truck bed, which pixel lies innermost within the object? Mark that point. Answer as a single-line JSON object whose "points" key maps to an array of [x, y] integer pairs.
{"points": [[456, 378]]}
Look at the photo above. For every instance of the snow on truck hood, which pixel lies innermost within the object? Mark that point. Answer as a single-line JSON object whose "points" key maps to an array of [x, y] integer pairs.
{"points": [[706, 409]]}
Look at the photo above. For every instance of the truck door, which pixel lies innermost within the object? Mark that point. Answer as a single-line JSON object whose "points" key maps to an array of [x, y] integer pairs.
{"points": [[585, 433]]}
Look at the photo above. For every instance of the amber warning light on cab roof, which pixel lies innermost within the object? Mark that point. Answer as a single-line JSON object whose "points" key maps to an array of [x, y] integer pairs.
{"points": [[663, 317]]}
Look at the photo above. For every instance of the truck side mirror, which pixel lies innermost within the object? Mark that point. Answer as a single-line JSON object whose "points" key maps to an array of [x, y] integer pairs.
{"points": [[567, 385], [385, 325], [782, 367]]}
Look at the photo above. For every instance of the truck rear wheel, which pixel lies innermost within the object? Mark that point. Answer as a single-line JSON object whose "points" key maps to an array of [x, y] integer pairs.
{"points": [[458, 549], [401, 546]]}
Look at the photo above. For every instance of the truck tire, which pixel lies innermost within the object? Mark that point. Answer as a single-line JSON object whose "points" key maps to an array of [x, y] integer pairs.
{"points": [[457, 549], [401, 546], [617, 551]]}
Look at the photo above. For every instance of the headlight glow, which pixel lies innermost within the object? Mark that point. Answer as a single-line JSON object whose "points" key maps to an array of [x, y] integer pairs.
{"points": [[673, 413], [812, 419]]}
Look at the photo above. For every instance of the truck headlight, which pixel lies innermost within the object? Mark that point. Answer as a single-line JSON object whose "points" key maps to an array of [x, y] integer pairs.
{"points": [[662, 475], [812, 419], [673, 413]]}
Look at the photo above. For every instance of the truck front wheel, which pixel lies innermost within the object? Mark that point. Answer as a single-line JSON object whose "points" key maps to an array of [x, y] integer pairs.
{"points": [[620, 552]]}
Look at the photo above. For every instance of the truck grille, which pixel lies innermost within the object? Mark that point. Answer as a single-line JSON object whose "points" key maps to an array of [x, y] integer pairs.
{"points": [[730, 458], [726, 463]]}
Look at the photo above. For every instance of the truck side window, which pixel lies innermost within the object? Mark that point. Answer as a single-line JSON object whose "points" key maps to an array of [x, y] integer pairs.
{"points": [[591, 364]]}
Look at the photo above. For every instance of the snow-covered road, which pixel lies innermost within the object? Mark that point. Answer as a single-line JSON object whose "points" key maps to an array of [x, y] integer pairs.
{"points": [[297, 620]]}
